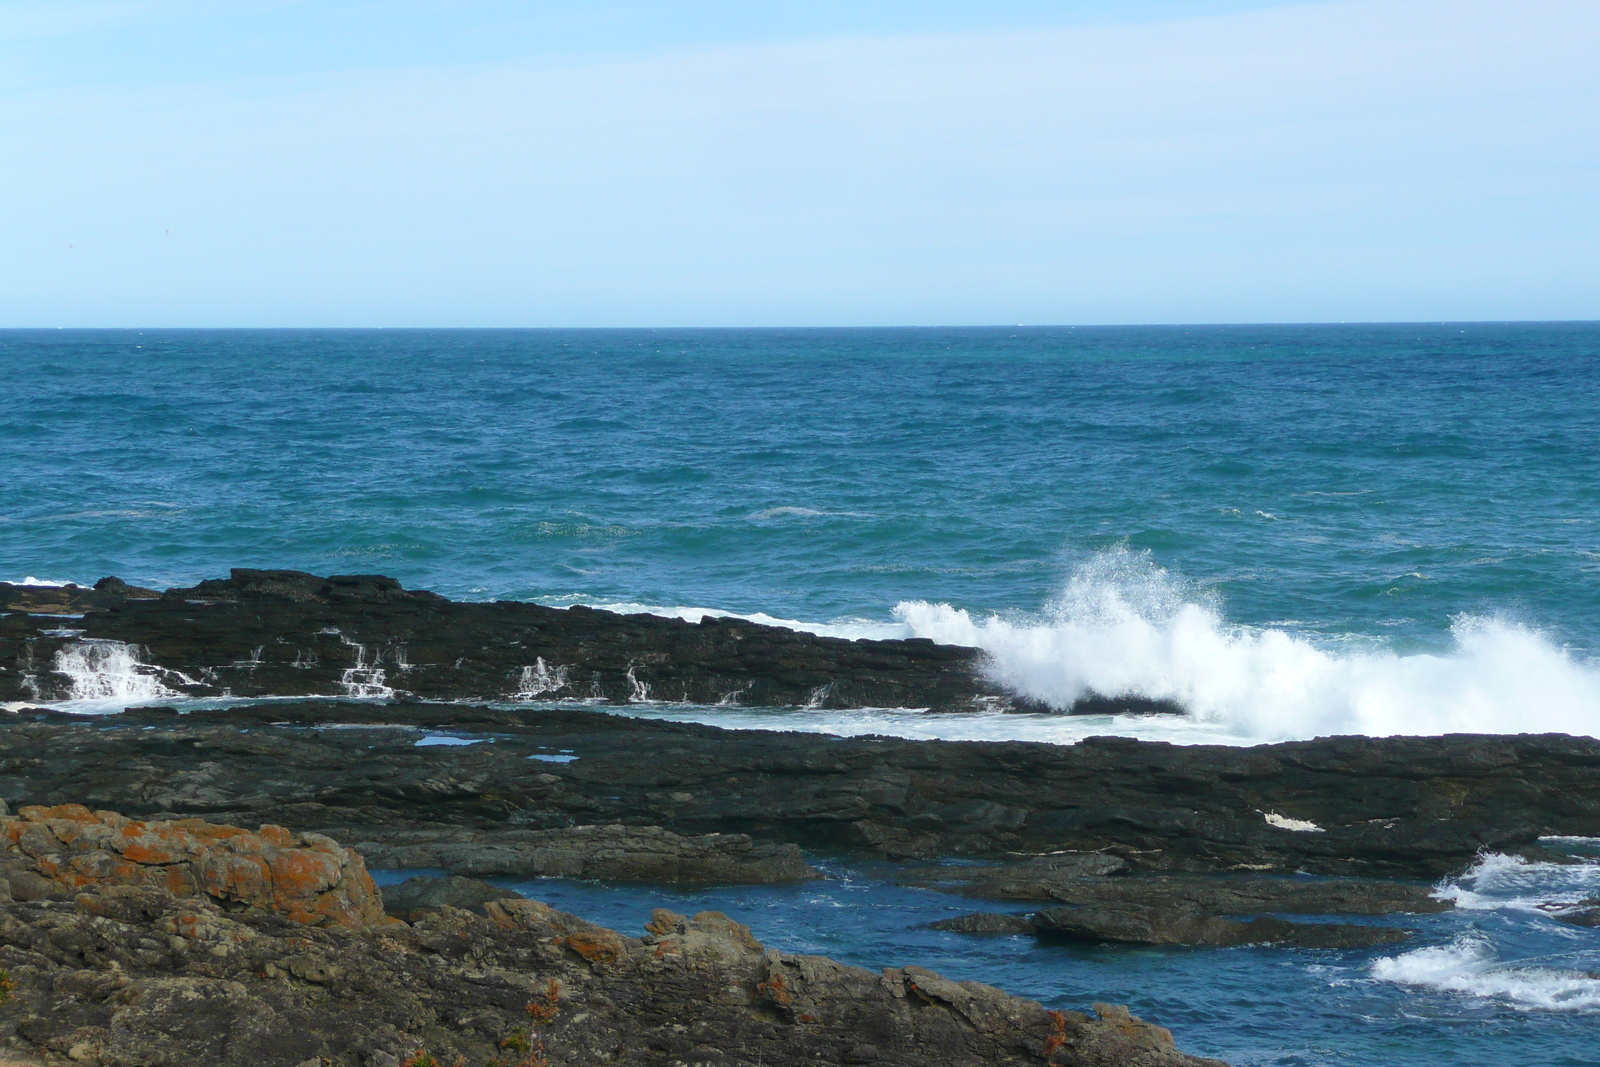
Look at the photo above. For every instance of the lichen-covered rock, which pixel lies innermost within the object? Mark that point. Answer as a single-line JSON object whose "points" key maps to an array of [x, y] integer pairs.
{"points": [[138, 976], [53, 851]]}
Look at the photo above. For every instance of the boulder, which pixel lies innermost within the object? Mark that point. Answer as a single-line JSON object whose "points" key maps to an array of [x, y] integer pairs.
{"points": [[57, 851]]}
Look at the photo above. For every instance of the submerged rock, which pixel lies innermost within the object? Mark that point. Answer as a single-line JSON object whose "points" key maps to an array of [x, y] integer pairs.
{"points": [[986, 922], [1221, 894]]}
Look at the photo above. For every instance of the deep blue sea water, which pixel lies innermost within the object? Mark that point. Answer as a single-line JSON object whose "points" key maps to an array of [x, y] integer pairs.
{"points": [[1294, 530]]}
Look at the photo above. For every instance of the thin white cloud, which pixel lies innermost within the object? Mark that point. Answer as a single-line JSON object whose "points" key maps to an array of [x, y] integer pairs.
{"points": [[1415, 159]]}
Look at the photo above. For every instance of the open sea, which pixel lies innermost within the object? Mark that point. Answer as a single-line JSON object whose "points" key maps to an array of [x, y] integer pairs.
{"points": [[1294, 531]]}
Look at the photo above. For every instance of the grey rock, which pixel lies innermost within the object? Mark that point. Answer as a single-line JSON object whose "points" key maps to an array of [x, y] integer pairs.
{"points": [[417, 897], [139, 978], [1418, 808], [613, 852], [1140, 925], [986, 922]]}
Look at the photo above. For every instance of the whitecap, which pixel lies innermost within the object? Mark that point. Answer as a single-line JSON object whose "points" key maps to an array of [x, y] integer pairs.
{"points": [[1468, 966], [805, 513], [1512, 883], [849, 627], [1124, 626]]}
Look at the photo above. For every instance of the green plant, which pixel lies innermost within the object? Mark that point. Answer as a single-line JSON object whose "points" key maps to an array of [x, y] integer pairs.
{"points": [[8, 984]]}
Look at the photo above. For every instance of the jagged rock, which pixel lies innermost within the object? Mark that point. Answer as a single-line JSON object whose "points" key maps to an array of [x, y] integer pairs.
{"points": [[288, 633], [613, 852], [177, 981], [51, 852], [1141, 925], [415, 897]]}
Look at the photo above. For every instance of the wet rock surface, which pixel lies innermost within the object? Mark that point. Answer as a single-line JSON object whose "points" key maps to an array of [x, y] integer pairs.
{"points": [[134, 975], [1196, 910], [1135, 924], [1229, 894], [1415, 808], [987, 922], [286, 633]]}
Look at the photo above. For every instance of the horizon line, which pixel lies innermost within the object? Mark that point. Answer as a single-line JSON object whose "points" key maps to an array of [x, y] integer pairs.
{"points": [[816, 327]]}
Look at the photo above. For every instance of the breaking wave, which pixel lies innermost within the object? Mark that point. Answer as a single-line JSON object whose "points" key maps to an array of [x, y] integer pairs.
{"points": [[1523, 891], [107, 675], [1124, 626], [1469, 965]]}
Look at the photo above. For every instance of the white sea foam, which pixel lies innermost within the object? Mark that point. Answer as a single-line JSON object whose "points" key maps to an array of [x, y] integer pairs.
{"points": [[1468, 965], [1501, 882], [805, 513], [107, 676], [1124, 626], [850, 628], [44, 582]]}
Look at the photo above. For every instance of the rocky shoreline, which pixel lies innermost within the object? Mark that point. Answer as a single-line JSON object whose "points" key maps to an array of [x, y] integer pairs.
{"points": [[287, 633], [267, 948], [1110, 840]]}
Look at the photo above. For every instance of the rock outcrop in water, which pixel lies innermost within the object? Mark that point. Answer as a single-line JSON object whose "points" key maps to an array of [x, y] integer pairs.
{"points": [[124, 975], [286, 633], [1381, 807], [1091, 905]]}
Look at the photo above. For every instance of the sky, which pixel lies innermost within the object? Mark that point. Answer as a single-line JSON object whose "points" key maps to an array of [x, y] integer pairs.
{"points": [[654, 163]]}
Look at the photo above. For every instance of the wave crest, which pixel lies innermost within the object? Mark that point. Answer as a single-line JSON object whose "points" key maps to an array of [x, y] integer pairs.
{"points": [[1124, 627]]}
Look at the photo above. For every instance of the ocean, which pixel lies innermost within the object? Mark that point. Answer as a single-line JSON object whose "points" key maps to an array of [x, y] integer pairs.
{"points": [[1294, 531]]}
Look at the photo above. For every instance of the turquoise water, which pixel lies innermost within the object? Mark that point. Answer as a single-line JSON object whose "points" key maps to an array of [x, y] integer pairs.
{"points": [[1293, 530]]}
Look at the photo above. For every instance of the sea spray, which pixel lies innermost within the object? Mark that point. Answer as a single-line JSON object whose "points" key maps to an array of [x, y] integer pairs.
{"points": [[109, 673], [1124, 626]]}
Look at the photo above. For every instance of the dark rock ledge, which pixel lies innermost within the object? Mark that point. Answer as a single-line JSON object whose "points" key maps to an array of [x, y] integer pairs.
{"points": [[109, 961], [287, 633], [1415, 808]]}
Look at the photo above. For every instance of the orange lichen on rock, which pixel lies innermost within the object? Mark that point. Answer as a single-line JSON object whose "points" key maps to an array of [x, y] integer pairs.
{"points": [[307, 877]]}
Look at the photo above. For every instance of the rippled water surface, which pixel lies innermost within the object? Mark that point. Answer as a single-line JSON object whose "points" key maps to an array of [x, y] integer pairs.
{"points": [[1498, 981], [1292, 531]]}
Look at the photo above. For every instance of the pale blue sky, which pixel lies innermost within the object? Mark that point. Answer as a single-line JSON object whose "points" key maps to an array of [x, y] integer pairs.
{"points": [[483, 162]]}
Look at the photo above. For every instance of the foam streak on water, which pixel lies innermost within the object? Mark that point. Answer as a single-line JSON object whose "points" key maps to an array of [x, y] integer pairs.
{"points": [[1508, 894]]}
